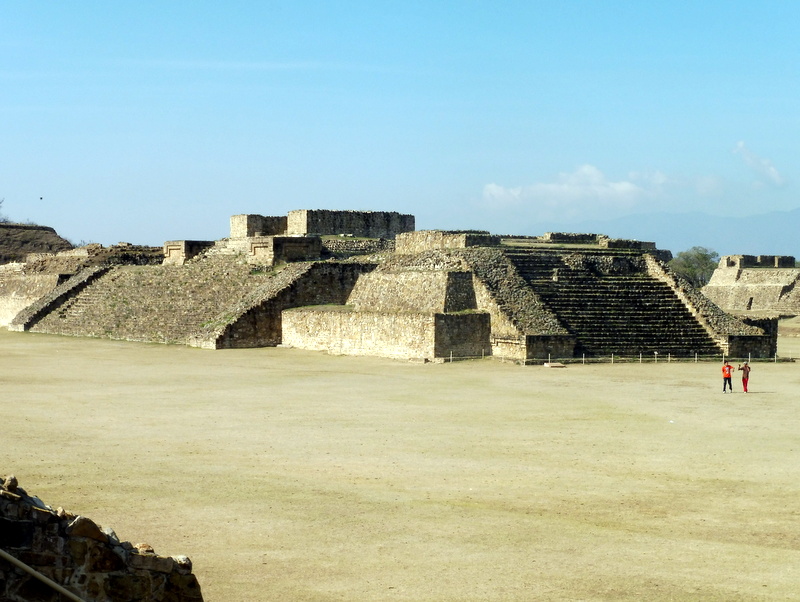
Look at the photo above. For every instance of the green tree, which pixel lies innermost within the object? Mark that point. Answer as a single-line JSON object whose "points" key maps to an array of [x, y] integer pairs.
{"points": [[696, 265], [3, 218]]}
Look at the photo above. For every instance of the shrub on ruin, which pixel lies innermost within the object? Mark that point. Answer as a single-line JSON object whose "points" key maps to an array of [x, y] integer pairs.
{"points": [[697, 265]]}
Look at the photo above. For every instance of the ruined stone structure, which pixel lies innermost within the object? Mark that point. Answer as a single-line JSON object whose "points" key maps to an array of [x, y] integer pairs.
{"points": [[50, 552], [365, 224], [17, 241], [543, 300], [428, 295], [267, 240], [763, 284], [397, 312], [23, 284]]}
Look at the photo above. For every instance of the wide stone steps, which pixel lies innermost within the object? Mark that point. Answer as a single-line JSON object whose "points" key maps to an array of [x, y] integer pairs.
{"points": [[622, 311], [153, 303]]}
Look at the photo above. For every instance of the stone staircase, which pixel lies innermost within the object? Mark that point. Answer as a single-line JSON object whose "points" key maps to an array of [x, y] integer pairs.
{"points": [[153, 303], [611, 304]]}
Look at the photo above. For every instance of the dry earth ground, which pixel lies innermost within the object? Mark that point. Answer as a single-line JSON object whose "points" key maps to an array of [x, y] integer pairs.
{"points": [[290, 475]]}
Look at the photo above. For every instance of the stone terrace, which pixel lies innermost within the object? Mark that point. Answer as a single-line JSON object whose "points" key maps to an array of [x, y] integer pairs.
{"points": [[165, 303], [611, 303], [214, 302]]}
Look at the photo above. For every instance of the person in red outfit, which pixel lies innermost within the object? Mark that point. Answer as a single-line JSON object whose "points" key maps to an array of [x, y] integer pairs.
{"points": [[727, 369], [745, 370]]}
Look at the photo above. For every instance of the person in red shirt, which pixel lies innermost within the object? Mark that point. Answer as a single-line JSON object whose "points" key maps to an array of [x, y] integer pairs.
{"points": [[745, 370], [727, 369]]}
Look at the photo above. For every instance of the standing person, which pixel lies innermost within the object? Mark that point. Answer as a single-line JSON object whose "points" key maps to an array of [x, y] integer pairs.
{"points": [[726, 376], [745, 370]]}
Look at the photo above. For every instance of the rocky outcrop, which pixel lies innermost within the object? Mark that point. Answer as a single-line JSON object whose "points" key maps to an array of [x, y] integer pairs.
{"points": [[48, 554]]}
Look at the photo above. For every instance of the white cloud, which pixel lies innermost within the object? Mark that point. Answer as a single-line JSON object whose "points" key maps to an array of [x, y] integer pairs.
{"points": [[762, 168], [584, 193]]}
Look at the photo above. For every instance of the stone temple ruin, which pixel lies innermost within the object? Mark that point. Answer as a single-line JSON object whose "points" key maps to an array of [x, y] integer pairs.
{"points": [[368, 283], [756, 285]]}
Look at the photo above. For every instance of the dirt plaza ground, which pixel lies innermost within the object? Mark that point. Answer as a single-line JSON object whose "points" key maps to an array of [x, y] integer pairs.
{"points": [[291, 475]]}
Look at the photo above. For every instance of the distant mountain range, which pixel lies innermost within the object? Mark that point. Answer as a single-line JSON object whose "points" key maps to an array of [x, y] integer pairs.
{"points": [[776, 233]]}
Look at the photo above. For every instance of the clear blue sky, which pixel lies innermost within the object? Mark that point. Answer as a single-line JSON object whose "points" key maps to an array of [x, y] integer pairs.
{"points": [[150, 121]]}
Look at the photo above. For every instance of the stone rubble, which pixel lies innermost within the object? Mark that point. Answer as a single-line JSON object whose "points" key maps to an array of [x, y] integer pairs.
{"points": [[78, 554]]}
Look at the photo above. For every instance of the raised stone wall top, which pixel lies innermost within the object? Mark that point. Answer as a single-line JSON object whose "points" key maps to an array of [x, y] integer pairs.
{"points": [[266, 250], [428, 240], [572, 238], [756, 261], [249, 225], [366, 224], [623, 243]]}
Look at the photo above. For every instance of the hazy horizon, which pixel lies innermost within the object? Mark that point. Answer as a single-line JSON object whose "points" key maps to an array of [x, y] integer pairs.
{"points": [[149, 122]]}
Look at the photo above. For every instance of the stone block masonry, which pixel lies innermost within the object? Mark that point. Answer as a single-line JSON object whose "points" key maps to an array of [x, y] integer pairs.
{"points": [[402, 311], [348, 247], [256, 319], [18, 290], [178, 252], [414, 291], [249, 225], [72, 552], [740, 262], [428, 240], [268, 250], [398, 335], [365, 224], [764, 284]]}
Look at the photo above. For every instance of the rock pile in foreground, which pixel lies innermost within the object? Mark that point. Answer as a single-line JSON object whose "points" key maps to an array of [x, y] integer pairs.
{"points": [[80, 556]]}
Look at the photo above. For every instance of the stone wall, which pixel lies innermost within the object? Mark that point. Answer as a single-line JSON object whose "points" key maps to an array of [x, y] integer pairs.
{"points": [[18, 290], [741, 262], [268, 250], [747, 283], [249, 225], [624, 243], [365, 224], [399, 310], [571, 238], [348, 247], [428, 240], [397, 335], [80, 556], [541, 348], [462, 335], [341, 331]]}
